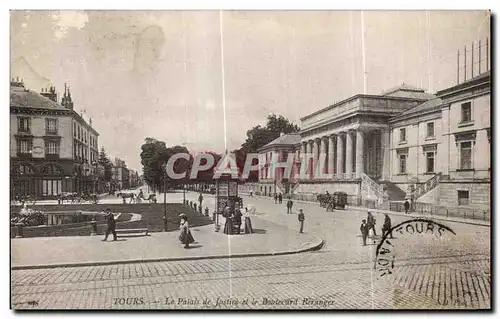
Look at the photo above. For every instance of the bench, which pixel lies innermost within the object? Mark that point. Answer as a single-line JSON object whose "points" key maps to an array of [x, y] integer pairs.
{"points": [[131, 231]]}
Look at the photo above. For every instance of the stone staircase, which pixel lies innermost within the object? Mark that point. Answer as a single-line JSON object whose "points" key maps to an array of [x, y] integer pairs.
{"points": [[394, 193], [424, 188], [371, 189]]}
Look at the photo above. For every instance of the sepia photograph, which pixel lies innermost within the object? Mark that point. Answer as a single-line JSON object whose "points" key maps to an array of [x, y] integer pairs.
{"points": [[250, 159]]}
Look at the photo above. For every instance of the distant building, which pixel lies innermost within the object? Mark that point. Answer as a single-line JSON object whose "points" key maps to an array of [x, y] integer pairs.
{"points": [[121, 174], [403, 143], [52, 148]]}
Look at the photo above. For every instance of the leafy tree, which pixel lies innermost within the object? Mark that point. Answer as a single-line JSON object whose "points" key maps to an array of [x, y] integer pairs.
{"points": [[259, 136]]}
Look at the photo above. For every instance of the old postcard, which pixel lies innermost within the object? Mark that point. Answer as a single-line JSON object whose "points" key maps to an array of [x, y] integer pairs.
{"points": [[259, 160]]}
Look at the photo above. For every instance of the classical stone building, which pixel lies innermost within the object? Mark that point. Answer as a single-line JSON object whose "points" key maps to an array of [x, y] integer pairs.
{"points": [[52, 148], [434, 148]]}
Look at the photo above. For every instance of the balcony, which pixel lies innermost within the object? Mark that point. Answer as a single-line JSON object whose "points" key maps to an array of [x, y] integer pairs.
{"points": [[24, 155]]}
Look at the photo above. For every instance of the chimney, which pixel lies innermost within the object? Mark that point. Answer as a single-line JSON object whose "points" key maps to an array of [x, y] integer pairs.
{"points": [[90, 122], [50, 93]]}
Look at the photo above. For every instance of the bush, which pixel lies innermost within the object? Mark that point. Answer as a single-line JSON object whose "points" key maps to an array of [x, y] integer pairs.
{"points": [[30, 218]]}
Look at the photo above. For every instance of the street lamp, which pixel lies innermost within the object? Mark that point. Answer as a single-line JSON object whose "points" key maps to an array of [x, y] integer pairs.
{"points": [[165, 199]]}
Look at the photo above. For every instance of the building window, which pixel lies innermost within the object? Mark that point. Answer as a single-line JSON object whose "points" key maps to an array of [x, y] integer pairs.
{"points": [[24, 124], [51, 126], [466, 155], [402, 163], [430, 162], [402, 135], [430, 129], [463, 198], [51, 148], [24, 146], [466, 112]]}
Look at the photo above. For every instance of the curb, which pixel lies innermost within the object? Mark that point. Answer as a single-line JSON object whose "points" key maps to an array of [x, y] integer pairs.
{"points": [[390, 212], [313, 247]]}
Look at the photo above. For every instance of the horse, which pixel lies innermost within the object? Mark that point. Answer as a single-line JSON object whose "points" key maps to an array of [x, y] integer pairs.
{"points": [[66, 196], [323, 199], [124, 196]]}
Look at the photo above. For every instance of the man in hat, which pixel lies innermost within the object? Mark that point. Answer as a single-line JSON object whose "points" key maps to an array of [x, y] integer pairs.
{"points": [[407, 206], [301, 220], [364, 231], [110, 221], [387, 225], [289, 206]]}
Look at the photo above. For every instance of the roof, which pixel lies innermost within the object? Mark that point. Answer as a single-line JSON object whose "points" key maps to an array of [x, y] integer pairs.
{"points": [[285, 140], [409, 91], [21, 97], [434, 104], [478, 79]]}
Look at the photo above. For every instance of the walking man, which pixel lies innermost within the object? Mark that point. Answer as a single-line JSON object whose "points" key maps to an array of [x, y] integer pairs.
{"points": [[200, 199], [301, 220], [364, 231], [407, 206], [387, 225], [280, 198], [289, 206], [371, 223], [275, 198], [110, 220]]}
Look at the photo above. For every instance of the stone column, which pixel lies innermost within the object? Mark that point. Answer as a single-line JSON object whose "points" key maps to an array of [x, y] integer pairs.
{"points": [[315, 156], [322, 156], [348, 154], [340, 156], [386, 161], [331, 154], [360, 156], [308, 159]]}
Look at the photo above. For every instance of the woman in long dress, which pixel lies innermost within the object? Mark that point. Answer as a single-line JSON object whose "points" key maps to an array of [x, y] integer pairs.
{"points": [[248, 222], [228, 226], [185, 234]]}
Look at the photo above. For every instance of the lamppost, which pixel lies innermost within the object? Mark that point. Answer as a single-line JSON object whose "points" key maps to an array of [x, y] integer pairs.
{"points": [[165, 199]]}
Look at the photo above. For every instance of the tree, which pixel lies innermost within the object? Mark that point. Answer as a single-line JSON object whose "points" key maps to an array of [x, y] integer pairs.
{"points": [[259, 136], [153, 156], [106, 163]]}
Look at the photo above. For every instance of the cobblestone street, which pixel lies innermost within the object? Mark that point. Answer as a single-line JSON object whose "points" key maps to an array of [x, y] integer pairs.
{"points": [[451, 272]]}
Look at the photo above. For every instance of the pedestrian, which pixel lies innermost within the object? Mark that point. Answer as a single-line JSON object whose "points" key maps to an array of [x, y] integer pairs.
{"points": [[200, 198], [371, 223], [280, 198], [289, 206], [228, 226], [275, 198], [364, 231], [387, 225], [111, 225], [237, 220], [407, 206], [251, 194], [248, 222], [185, 234], [301, 220]]}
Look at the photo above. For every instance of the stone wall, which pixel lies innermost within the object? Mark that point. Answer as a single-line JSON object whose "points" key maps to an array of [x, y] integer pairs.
{"points": [[351, 188], [479, 194]]}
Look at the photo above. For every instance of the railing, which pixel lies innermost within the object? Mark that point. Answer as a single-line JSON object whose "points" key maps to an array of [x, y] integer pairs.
{"points": [[279, 185], [430, 209], [427, 186], [376, 188]]}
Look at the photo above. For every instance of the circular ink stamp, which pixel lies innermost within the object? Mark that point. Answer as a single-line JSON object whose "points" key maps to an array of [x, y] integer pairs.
{"points": [[385, 253]]}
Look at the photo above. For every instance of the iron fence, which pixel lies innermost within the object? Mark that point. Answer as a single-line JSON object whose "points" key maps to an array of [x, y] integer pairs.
{"points": [[430, 209]]}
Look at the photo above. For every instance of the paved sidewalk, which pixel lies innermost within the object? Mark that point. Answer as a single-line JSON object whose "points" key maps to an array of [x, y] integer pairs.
{"points": [[269, 239], [477, 222]]}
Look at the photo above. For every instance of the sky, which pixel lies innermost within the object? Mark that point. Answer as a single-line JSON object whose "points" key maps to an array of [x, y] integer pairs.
{"points": [[168, 75]]}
